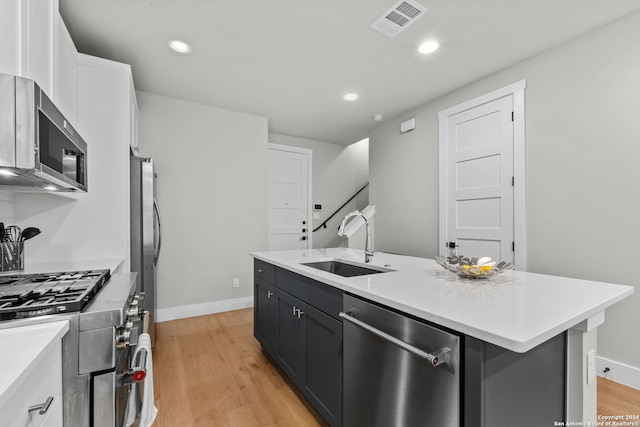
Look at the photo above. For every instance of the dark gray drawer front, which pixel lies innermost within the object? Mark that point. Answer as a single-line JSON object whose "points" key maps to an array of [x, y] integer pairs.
{"points": [[264, 271], [323, 297]]}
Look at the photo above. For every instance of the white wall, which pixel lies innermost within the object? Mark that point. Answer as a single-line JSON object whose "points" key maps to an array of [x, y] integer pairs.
{"points": [[212, 193], [6, 207], [582, 175], [338, 173]]}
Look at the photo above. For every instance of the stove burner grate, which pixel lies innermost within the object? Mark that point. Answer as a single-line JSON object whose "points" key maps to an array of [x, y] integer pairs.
{"points": [[40, 294]]}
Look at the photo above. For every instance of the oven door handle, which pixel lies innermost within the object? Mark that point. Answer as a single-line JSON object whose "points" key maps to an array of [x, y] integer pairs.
{"points": [[137, 373], [145, 322]]}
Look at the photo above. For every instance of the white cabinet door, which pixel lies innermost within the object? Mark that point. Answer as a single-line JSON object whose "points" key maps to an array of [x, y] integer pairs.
{"points": [[65, 71], [44, 382], [37, 41], [10, 36]]}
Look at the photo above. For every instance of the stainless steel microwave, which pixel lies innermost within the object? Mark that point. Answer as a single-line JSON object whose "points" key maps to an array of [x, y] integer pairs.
{"points": [[39, 149]]}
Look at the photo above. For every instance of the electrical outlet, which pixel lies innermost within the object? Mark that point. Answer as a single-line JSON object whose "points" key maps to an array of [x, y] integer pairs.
{"points": [[235, 282], [591, 366]]}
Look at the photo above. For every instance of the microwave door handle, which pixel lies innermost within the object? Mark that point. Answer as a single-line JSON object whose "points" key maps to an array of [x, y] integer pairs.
{"points": [[156, 210]]}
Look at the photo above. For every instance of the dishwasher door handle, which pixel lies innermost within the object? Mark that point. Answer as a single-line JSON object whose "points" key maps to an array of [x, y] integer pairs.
{"points": [[435, 359]]}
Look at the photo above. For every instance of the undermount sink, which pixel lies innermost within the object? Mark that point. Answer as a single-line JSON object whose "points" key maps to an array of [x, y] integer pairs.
{"points": [[346, 268]]}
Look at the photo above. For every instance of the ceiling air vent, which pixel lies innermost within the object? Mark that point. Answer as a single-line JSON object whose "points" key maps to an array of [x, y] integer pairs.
{"points": [[399, 17]]}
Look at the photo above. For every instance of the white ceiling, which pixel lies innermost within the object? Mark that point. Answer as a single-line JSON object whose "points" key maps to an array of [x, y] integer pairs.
{"points": [[292, 60]]}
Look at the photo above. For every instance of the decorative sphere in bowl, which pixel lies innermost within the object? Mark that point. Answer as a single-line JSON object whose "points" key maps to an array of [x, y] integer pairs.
{"points": [[473, 268]]}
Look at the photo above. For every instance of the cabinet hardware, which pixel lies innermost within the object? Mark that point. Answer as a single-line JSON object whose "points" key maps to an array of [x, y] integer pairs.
{"points": [[300, 313], [260, 271], [269, 294], [43, 407]]}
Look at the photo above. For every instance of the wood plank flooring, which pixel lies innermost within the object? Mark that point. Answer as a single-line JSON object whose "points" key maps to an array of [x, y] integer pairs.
{"points": [[617, 399], [210, 371]]}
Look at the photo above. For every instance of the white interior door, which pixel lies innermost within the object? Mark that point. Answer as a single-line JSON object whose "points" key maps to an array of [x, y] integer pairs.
{"points": [[289, 198], [479, 180]]}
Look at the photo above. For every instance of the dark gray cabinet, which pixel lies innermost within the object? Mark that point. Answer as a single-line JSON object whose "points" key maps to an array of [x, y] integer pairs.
{"points": [[264, 306], [264, 315], [323, 364], [503, 388], [297, 323], [290, 326], [309, 351]]}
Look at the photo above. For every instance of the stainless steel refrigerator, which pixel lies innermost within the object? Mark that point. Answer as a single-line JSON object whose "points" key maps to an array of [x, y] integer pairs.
{"points": [[146, 233]]}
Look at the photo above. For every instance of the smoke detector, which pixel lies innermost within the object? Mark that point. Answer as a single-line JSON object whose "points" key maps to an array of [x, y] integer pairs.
{"points": [[399, 17]]}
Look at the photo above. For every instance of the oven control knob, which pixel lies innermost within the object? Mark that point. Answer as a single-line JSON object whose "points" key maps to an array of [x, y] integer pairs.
{"points": [[133, 310], [139, 376], [122, 338]]}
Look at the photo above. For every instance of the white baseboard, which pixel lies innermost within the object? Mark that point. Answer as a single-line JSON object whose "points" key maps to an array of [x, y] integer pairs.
{"points": [[173, 313], [619, 372]]}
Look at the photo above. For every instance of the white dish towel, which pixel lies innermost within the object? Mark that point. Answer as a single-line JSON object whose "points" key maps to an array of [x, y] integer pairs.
{"points": [[148, 412]]}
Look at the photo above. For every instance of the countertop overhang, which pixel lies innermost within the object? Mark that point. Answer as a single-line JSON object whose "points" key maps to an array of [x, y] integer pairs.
{"points": [[514, 310]]}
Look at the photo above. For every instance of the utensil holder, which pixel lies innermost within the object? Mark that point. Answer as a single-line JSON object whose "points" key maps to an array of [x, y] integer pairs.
{"points": [[12, 256]]}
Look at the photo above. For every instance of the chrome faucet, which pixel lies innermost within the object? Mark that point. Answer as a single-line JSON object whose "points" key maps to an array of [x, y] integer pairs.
{"points": [[368, 250]]}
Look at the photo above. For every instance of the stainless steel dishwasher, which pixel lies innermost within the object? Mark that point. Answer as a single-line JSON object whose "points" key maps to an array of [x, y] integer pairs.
{"points": [[397, 371]]}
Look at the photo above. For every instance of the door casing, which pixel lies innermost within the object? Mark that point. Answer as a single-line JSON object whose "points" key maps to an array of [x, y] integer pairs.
{"points": [[517, 91]]}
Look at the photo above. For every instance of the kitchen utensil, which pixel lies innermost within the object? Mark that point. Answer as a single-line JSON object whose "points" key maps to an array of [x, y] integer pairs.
{"points": [[29, 233], [13, 233]]}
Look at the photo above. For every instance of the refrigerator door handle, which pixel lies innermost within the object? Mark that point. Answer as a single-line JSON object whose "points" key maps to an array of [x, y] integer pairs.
{"points": [[156, 210]]}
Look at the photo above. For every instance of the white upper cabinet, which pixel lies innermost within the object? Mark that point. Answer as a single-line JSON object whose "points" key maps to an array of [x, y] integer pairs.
{"points": [[10, 36], [35, 44], [65, 71], [38, 29]]}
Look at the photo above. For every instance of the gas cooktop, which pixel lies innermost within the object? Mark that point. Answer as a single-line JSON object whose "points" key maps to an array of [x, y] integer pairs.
{"points": [[30, 295]]}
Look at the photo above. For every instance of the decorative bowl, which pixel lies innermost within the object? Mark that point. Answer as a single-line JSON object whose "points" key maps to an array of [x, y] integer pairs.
{"points": [[473, 268]]}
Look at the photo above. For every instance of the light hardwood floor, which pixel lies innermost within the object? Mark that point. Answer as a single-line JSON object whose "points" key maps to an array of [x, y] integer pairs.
{"points": [[210, 371]]}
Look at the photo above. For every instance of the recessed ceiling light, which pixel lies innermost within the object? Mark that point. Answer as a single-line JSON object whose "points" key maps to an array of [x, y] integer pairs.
{"points": [[350, 96], [179, 46], [428, 47]]}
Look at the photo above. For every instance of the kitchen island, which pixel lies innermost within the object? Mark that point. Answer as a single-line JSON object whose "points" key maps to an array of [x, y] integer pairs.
{"points": [[516, 313]]}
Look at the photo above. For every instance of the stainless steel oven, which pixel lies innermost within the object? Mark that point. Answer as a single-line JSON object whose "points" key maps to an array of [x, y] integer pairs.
{"points": [[105, 317]]}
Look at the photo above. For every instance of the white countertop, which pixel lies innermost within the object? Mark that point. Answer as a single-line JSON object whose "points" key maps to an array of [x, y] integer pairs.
{"points": [[21, 349], [59, 266], [515, 310]]}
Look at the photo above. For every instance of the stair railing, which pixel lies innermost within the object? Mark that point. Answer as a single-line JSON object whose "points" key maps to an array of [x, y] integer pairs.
{"points": [[324, 224]]}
